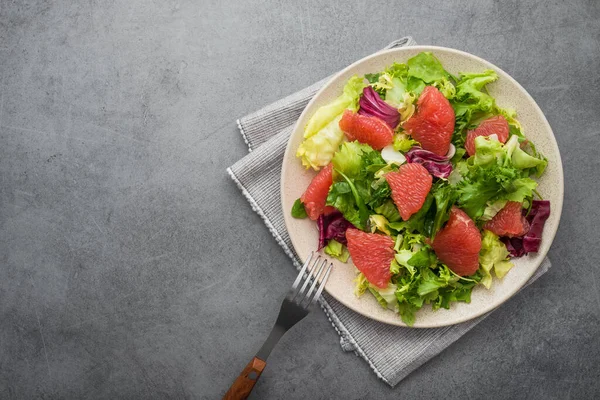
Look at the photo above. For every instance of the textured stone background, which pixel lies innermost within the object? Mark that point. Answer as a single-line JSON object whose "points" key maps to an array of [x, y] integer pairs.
{"points": [[131, 266]]}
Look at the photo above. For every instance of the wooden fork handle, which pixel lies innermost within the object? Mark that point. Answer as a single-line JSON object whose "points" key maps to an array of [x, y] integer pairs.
{"points": [[243, 385]]}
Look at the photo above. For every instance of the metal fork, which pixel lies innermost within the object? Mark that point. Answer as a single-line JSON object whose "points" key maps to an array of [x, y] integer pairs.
{"points": [[296, 305]]}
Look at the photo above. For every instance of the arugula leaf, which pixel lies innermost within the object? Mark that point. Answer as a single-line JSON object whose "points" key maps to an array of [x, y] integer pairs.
{"points": [[298, 210]]}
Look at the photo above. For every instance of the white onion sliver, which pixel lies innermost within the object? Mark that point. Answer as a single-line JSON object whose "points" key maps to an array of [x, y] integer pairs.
{"points": [[391, 156], [451, 151], [493, 136]]}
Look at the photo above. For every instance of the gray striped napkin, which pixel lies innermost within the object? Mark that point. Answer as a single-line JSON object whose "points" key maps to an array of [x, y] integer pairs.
{"points": [[392, 352]]}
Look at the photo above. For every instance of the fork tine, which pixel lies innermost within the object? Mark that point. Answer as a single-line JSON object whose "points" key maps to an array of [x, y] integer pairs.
{"points": [[314, 283], [302, 290], [321, 286], [301, 274], [297, 290]]}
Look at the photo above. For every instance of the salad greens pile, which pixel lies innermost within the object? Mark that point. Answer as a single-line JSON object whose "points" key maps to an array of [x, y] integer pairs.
{"points": [[481, 185]]}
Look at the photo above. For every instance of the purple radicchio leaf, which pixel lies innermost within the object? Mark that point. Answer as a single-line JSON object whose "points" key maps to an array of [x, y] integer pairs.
{"points": [[332, 226], [438, 166], [373, 106]]}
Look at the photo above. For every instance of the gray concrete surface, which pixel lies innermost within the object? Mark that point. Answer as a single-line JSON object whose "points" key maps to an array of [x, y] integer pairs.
{"points": [[131, 266]]}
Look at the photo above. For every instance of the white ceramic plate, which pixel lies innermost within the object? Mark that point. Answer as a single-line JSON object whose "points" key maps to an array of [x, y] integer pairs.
{"points": [[508, 93]]}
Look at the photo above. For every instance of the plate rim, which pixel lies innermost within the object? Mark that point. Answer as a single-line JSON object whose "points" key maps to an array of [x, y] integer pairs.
{"points": [[556, 209]]}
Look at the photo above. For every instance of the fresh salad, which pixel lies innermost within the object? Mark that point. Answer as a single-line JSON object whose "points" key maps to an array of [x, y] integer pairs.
{"points": [[424, 181]]}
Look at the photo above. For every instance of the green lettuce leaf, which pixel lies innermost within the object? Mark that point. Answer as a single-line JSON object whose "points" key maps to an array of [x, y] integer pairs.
{"points": [[445, 196], [426, 67], [522, 160], [379, 223], [389, 210], [519, 189], [423, 258], [298, 210], [361, 284], [493, 208], [488, 151], [349, 158], [395, 94], [318, 150], [470, 90], [337, 250], [493, 255], [362, 191], [385, 297], [341, 197], [404, 143]]}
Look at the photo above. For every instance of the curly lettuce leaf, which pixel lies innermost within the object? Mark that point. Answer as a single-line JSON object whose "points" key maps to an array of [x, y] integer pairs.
{"points": [[445, 196], [360, 284], [470, 90], [348, 159], [357, 191], [403, 142], [472, 103], [493, 255], [492, 176], [519, 190], [337, 250]]}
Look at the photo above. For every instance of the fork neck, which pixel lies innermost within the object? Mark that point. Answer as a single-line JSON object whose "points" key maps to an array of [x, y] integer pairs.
{"points": [[276, 334]]}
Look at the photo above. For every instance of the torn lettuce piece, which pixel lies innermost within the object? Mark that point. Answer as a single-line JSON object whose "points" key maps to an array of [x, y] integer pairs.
{"points": [[318, 150], [337, 250], [493, 255], [361, 284], [385, 297]]}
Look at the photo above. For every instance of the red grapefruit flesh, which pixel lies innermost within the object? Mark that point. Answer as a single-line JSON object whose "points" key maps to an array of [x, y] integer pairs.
{"points": [[315, 196], [370, 130], [458, 244], [509, 221], [433, 123], [495, 125], [410, 186], [372, 254]]}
